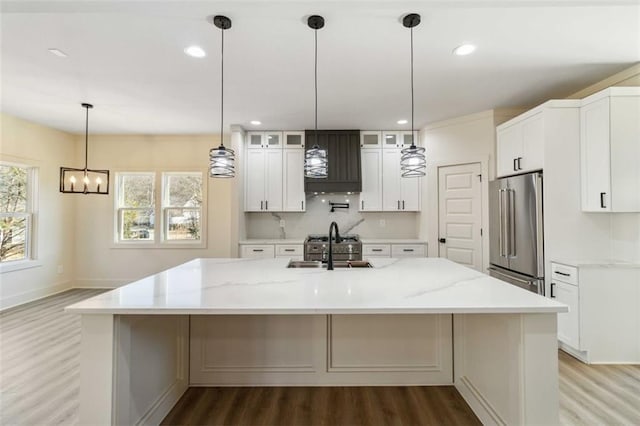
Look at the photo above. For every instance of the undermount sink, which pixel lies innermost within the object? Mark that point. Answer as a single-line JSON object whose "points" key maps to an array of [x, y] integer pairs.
{"points": [[337, 264]]}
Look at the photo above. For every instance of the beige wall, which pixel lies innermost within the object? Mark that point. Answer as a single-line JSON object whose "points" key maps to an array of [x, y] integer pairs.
{"points": [[467, 139], [101, 263], [46, 149]]}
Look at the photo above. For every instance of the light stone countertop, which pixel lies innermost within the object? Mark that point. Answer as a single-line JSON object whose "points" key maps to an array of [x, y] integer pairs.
{"points": [[272, 241], [597, 263], [267, 287]]}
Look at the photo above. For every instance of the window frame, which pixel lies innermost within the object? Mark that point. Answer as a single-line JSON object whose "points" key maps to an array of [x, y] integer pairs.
{"points": [[159, 208], [30, 214]]}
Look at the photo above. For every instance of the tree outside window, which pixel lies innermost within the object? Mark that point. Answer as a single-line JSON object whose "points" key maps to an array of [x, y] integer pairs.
{"points": [[15, 214]]}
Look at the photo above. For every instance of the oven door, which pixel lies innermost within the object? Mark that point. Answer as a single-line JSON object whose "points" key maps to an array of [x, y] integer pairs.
{"points": [[534, 285]]}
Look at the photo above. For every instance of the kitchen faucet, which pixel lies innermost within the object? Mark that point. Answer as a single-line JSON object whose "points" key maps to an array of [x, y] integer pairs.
{"points": [[338, 239]]}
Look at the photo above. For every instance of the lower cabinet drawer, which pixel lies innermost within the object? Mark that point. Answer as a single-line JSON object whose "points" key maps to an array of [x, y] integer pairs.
{"points": [[408, 250], [289, 250], [567, 274], [376, 250], [258, 251]]}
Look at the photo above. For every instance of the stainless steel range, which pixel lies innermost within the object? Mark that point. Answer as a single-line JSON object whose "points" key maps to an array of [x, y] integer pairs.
{"points": [[316, 247]]}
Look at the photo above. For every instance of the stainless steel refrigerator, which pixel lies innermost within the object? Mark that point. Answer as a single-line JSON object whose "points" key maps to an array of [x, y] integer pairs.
{"points": [[516, 234]]}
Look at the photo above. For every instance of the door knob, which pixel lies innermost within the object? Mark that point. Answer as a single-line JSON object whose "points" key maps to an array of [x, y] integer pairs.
{"points": [[443, 240]]}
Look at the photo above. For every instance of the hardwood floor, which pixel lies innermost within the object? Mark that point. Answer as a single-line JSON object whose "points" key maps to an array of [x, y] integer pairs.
{"points": [[39, 369], [39, 361], [289, 406]]}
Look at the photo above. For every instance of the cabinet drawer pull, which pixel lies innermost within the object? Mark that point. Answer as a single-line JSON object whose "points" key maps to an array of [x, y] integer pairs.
{"points": [[261, 204], [410, 250], [562, 273], [519, 165], [602, 205], [398, 204], [402, 204], [266, 205], [362, 204], [258, 250], [515, 168], [301, 205], [289, 250], [553, 285], [376, 250]]}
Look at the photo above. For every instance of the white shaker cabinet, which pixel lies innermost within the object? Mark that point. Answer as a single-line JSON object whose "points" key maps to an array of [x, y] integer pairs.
{"points": [[293, 184], [371, 195], [610, 150], [520, 145], [263, 191], [398, 193]]}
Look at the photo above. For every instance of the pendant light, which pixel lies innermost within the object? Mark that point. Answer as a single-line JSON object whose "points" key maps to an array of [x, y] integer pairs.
{"points": [[315, 159], [412, 161], [84, 181], [222, 159]]}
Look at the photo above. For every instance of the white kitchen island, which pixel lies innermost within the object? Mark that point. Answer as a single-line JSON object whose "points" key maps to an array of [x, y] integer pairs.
{"points": [[254, 322]]}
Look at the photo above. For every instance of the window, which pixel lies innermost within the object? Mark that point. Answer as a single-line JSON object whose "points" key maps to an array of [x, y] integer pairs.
{"points": [[179, 206], [17, 197]]}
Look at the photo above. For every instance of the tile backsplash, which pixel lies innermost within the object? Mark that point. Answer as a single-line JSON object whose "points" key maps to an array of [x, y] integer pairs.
{"points": [[317, 218]]}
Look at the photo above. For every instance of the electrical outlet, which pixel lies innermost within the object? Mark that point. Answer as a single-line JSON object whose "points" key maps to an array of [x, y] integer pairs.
{"points": [[281, 223], [383, 223], [60, 269]]}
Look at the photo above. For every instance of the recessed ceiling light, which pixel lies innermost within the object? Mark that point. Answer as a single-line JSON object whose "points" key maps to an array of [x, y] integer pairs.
{"points": [[57, 52], [464, 49], [256, 122], [402, 121], [195, 51]]}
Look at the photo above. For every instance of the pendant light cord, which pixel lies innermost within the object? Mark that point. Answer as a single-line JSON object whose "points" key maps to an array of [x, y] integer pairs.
{"points": [[86, 141], [222, 89], [315, 76], [413, 142]]}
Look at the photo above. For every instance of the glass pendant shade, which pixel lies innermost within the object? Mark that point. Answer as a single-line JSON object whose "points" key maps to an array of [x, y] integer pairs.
{"points": [[315, 163], [86, 180], [222, 162], [413, 162]]}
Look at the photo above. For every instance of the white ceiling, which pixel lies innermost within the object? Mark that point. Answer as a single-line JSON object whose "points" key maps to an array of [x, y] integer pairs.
{"points": [[127, 58]]}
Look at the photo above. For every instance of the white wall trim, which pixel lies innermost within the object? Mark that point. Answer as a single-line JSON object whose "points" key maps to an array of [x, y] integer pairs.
{"points": [[32, 296]]}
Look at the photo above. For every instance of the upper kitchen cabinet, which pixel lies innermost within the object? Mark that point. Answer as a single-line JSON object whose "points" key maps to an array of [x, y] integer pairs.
{"points": [[370, 139], [293, 183], [293, 140], [610, 150], [343, 155], [398, 139], [262, 140], [520, 145], [263, 180], [398, 193], [371, 195]]}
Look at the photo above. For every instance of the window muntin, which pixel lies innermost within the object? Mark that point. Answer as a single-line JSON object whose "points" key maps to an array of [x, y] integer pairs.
{"points": [[16, 212]]}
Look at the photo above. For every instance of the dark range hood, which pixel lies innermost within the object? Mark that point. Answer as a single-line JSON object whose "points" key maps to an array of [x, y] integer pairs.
{"points": [[343, 152]]}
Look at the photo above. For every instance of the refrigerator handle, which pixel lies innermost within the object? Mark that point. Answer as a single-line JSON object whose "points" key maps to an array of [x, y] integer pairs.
{"points": [[511, 196], [501, 214]]}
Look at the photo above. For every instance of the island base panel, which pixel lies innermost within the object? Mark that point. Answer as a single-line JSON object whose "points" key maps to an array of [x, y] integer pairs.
{"points": [[506, 367], [133, 368], [321, 350]]}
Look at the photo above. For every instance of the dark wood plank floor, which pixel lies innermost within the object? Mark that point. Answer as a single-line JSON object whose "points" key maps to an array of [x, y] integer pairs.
{"points": [[289, 406]]}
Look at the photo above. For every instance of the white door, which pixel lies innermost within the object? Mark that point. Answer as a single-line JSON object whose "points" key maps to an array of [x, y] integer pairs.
{"points": [[293, 180], [391, 180], [254, 188], [460, 214], [371, 195], [273, 180]]}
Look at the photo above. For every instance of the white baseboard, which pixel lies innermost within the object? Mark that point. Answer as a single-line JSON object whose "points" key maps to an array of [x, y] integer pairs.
{"points": [[581, 355], [478, 403], [92, 283], [33, 295]]}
